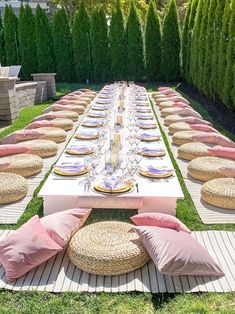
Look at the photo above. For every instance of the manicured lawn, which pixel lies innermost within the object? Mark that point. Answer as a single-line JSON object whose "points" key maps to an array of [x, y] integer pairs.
{"points": [[31, 302]]}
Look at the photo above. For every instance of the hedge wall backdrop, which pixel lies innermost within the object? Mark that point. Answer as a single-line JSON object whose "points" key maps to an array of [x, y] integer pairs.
{"points": [[95, 46]]}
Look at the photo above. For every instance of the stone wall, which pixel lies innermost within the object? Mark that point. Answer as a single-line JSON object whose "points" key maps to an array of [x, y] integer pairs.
{"points": [[14, 96]]}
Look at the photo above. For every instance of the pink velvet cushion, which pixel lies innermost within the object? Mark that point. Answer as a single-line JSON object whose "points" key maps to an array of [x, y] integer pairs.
{"points": [[228, 171], [20, 136], [194, 120], [60, 226], [9, 149], [214, 138], [181, 105], [190, 112], [159, 220], [177, 253], [179, 99], [203, 127], [39, 124], [51, 115], [26, 248], [220, 151]]}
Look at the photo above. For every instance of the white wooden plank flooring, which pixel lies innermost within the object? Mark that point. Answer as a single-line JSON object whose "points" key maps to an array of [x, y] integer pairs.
{"points": [[209, 214], [10, 213], [59, 275]]}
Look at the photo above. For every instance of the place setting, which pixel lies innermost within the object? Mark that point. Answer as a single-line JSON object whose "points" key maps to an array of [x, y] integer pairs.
{"points": [[154, 173], [82, 149], [152, 152], [92, 123], [147, 124], [87, 135], [69, 170]]}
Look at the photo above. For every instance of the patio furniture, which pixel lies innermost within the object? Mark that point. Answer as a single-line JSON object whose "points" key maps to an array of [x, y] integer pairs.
{"points": [[25, 165], [208, 168], [12, 187], [183, 137], [179, 126], [41, 148], [219, 193], [107, 248], [190, 151], [53, 134]]}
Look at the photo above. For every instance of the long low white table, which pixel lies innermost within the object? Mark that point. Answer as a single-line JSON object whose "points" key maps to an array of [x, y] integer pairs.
{"points": [[60, 193]]}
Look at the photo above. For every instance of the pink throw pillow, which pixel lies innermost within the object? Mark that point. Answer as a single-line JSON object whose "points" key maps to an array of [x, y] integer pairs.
{"points": [[26, 248], [190, 112], [179, 99], [9, 149], [203, 127], [20, 136], [214, 138], [159, 220], [177, 253], [220, 151], [193, 120], [50, 116], [39, 124], [228, 171], [181, 105], [61, 226]]}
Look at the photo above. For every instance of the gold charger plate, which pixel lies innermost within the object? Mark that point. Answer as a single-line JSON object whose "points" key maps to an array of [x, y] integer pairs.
{"points": [[74, 152], [126, 188], [149, 139], [154, 176], [160, 154], [83, 137], [92, 125], [99, 108], [145, 118], [148, 127], [94, 116], [69, 174], [143, 111]]}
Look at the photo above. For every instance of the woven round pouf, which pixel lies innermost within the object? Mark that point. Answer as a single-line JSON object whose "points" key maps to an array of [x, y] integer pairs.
{"points": [[172, 119], [183, 137], [63, 123], [208, 168], [53, 134], [179, 126], [190, 151], [107, 248], [41, 148], [72, 115], [12, 187], [219, 192], [25, 165]]}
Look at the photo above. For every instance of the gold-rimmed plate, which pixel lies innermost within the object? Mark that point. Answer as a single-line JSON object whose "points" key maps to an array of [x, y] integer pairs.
{"points": [[98, 187], [152, 154], [145, 118], [68, 173], [150, 139], [147, 174], [150, 126], [72, 151], [95, 116], [84, 137], [91, 125]]}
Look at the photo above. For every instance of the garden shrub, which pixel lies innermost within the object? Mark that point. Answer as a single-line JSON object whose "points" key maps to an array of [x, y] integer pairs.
{"points": [[11, 37], [2, 44]]}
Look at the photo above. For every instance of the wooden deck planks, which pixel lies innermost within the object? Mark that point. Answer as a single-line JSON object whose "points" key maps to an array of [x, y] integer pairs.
{"points": [[59, 275]]}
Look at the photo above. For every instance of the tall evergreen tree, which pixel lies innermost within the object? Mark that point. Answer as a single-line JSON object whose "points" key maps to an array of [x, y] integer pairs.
{"points": [[2, 44], [228, 92], [11, 36], [100, 46], [44, 43], [135, 51], [193, 11], [222, 48], [185, 38], [171, 43], [202, 45], [195, 43], [27, 43], [81, 45], [209, 47], [62, 46], [118, 44], [153, 43], [214, 53]]}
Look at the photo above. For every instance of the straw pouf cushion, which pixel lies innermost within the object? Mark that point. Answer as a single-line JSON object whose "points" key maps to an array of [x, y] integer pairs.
{"points": [[63, 123], [166, 104], [190, 151], [12, 187], [179, 126], [172, 119], [183, 137], [219, 192], [208, 168], [53, 134], [107, 248], [72, 115], [41, 148], [25, 165]]}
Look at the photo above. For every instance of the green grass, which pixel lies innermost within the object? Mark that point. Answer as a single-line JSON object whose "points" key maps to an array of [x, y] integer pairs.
{"points": [[123, 303]]}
